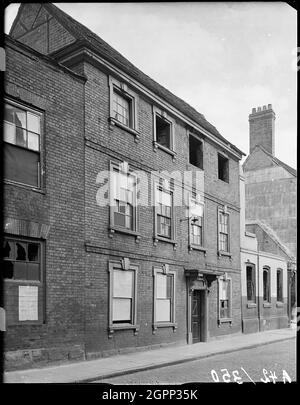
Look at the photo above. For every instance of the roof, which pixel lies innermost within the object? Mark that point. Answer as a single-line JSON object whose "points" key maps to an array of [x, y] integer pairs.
{"points": [[86, 36], [272, 234], [275, 160]]}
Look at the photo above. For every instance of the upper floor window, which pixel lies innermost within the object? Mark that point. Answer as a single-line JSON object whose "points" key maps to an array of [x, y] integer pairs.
{"points": [[164, 213], [22, 144], [250, 279], [123, 205], [223, 219], [163, 131], [223, 168], [279, 285], [196, 223], [266, 285], [123, 106], [22, 259], [196, 151]]}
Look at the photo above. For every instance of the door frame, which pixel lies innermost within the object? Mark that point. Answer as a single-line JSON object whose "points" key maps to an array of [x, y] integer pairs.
{"points": [[200, 285]]}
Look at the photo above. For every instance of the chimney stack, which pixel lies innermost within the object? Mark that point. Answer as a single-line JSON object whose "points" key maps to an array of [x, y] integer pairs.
{"points": [[262, 128]]}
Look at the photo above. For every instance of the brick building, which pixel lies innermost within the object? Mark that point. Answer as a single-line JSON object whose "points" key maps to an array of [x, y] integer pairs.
{"points": [[264, 274], [271, 193], [122, 203]]}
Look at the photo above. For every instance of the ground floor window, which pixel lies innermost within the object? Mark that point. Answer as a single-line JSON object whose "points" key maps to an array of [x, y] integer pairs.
{"points": [[250, 280], [164, 296], [224, 299], [266, 285], [279, 279], [24, 279], [122, 295]]}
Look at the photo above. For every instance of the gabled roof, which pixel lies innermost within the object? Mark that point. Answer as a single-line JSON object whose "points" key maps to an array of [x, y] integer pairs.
{"points": [[272, 234], [274, 159], [91, 40]]}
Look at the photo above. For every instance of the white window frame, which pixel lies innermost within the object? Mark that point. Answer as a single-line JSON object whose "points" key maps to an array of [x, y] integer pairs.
{"points": [[124, 91], [220, 280], [124, 265], [23, 106], [224, 211], [165, 117], [194, 199], [157, 187], [165, 270], [124, 169]]}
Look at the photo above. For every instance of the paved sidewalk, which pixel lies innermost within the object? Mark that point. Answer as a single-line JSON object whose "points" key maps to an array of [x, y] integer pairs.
{"points": [[88, 371]]}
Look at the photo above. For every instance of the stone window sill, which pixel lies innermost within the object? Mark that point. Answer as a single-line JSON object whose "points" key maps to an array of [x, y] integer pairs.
{"points": [[156, 146], [113, 122], [199, 248], [267, 305], [114, 229], [26, 186], [223, 253], [225, 320], [251, 305], [157, 325], [279, 304], [162, 239], [125, 326]]}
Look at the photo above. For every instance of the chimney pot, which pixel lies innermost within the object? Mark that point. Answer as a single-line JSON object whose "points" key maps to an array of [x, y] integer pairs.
{"points": [[269, 106], [264, 107], [253, 110], [262, 128], [258, 108]]}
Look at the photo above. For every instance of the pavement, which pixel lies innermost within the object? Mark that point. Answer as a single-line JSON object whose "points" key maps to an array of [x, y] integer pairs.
{"points": [[103, 368]]}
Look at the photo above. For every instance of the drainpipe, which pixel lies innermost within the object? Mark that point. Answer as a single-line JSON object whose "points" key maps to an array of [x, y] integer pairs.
{"points": [[258, 296]]}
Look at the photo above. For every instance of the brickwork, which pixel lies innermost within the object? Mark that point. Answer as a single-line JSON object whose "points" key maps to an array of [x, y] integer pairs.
{"points": [[79, 145]]}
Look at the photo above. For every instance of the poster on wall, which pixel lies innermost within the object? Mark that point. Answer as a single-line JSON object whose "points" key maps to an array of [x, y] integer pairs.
{"points": [[28, 303]]}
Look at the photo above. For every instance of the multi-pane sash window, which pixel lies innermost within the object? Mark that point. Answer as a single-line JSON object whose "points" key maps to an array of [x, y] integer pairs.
{"points": [[22, 132], [123, 296], [223, 232], [196, 225], [250, 279], [279, 285], [224, 298], [122, 110], [164, 297], [164, 213], [266, 285], [22, 260], [123, 204]]}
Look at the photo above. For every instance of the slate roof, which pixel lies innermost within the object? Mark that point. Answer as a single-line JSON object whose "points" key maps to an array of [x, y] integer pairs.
{"points": [[86, 36], [275, 160]]}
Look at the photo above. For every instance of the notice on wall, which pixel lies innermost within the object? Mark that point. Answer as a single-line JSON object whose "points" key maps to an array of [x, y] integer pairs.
{"points": [[28, 303]]}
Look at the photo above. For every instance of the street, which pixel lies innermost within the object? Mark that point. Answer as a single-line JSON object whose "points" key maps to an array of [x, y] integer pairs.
{"points": [[269, 363]]}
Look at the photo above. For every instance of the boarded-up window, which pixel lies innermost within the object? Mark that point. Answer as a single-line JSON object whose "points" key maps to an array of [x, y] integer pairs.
{"points": [[22, 131]]}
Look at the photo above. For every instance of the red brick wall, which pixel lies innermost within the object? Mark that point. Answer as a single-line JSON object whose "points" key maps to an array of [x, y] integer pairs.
{"points": [[60, 205]]}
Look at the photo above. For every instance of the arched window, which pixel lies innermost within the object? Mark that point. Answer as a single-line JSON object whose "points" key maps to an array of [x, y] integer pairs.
{"points": [[266, 284], [279, 279], [250, 279]]}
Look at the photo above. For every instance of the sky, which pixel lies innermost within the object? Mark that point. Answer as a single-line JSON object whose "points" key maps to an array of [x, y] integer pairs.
{"points": [[223, 58]]}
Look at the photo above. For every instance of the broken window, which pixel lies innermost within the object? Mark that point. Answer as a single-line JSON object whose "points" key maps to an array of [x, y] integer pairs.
{"points": [[223, 168], [224, 298], [196, 152], [21, 260]]}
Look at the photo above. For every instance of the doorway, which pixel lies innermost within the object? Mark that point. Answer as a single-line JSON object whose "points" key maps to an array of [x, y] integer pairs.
{"points": [[198, 311]]}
